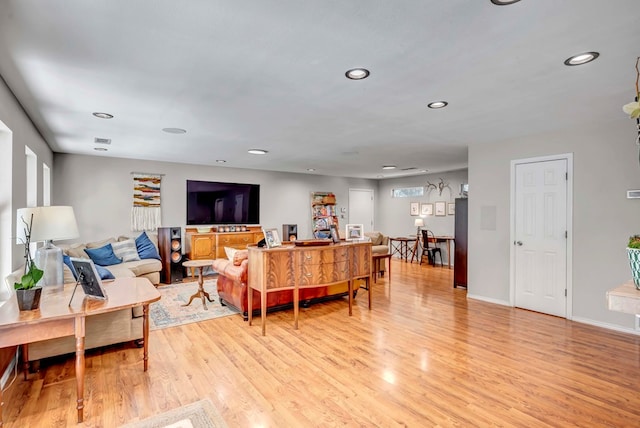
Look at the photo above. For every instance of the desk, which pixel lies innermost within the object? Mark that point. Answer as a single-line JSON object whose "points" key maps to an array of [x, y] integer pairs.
{"points": [[56, 318], [401, 247], [199, 264], [448, 240]]}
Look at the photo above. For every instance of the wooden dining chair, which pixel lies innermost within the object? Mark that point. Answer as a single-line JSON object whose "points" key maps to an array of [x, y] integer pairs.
{"points": [[429, 247]]}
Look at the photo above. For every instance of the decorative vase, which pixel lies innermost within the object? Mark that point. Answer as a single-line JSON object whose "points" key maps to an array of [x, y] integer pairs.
{"points": [[634, 263], [28, 300]]}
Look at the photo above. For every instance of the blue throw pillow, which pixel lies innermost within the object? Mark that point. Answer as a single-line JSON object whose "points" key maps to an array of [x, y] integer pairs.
{"points": [[103, 256], [67, 261], [146, 249], [104, 273]]}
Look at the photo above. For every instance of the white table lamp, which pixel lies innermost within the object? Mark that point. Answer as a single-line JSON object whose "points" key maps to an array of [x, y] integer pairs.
{"points": [[49, 224], [418, 223]]}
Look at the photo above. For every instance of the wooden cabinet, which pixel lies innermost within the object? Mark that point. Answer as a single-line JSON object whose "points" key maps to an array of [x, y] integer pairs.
{"points": [[294, 268], [323, 213], [461, 243], [211, 245]]}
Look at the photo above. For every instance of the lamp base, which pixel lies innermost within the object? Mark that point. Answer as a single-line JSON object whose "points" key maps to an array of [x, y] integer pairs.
{"points": [[49, 259]]}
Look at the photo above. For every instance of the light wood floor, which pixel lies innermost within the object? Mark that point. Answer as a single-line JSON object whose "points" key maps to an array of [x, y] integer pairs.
{"points": [[424, 356]]}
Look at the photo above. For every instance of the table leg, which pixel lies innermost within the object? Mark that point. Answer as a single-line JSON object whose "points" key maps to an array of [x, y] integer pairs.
{"points": [[296, 306], [350, 290], [389, 271], [369, 290], [25, 359], [263, 309], [145, 336], [249, 304], [80, 332], [449, 253]]}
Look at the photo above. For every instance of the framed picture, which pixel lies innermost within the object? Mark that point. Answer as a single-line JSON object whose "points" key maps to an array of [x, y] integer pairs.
{"points": [[451, 209], [88, 278], [414, 208], [426, 209], [272, 238], [354, 232], [333, 231], [441, 207]]}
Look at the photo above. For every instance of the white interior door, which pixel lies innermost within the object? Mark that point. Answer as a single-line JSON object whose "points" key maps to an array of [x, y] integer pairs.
{"points": [[540, 240], [361, 208]]}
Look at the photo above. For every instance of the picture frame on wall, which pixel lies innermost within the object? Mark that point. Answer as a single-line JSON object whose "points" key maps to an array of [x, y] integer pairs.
{"points": [[451, 208], [354, 232], [414, 208], [272, 238], [441, 208], [426, 209]]}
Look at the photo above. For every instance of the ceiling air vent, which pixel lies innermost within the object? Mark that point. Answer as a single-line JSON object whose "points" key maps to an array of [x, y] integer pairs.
{"points": [[408, 169], [102, 140]]}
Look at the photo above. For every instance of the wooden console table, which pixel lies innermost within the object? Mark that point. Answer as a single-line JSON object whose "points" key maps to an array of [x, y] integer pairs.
{"points": [[293, 268], [56, 318]]}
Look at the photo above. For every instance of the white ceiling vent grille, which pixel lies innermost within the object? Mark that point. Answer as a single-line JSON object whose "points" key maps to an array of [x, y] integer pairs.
{"points": [[102, 140]]}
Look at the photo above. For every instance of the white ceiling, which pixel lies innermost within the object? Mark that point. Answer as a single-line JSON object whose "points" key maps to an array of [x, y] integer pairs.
{"points": [[270, 74]]}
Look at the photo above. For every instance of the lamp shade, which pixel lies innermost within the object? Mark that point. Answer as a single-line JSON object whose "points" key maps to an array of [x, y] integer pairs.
{"points": [[418, 222], [49, 223]]}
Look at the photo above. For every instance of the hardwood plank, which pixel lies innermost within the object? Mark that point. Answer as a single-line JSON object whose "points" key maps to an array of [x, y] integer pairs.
{"points": [[423, 356]]}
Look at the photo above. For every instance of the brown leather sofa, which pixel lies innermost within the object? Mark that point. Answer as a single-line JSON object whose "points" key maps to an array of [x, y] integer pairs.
{"points": [[232, 288]]}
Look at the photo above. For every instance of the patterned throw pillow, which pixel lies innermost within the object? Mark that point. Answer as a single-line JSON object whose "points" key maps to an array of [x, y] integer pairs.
{"points": [[126, 250]]}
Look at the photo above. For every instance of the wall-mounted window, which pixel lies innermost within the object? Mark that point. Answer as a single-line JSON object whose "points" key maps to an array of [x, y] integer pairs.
{"points": [[46, 185], [407, 192], [32, 177]]}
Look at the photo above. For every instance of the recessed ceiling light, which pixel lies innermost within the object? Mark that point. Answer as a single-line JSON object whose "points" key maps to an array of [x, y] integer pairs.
{"points": [[438, 104], [357, 73], [100, 149], [311, 169], [221, 161], [174, 130], [389, 167], [257, 151], [504, 2], [102, 115], [582, 58]]}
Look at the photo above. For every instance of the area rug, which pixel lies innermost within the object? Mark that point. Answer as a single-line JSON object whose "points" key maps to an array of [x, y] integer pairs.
{"points": [[169, 312], [201, 414]]}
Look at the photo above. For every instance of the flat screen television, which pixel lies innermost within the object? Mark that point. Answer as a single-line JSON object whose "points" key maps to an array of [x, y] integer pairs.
{"points": [[212, 202]]}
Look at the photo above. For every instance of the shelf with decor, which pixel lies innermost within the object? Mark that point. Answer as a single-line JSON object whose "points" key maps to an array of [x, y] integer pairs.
{"points": [[323, 214]]}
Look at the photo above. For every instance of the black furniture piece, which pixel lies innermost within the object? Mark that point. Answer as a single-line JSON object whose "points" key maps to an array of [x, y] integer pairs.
{"points": [[170, 249], [461, 242], [429, 247]]}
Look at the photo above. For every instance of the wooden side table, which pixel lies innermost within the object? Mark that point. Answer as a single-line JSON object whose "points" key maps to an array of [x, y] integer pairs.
{"points": [[199, 265], [401, 247]]}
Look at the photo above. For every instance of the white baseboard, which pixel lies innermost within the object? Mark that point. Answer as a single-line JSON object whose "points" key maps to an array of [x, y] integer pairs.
{"points": [[606, 325], [488, 300]]}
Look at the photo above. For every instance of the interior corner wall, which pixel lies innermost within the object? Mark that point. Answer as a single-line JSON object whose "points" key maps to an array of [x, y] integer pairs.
{"points": [[605, 166], [101, 191]]}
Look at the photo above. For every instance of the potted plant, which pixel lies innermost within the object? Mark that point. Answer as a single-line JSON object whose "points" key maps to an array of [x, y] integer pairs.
{"points": [[27, 291], [633, 250]]}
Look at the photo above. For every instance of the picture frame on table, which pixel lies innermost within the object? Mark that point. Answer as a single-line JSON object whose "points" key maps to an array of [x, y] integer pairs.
{"points": [[440, 208], [354, 232], [426, 209], [272, 238], [414, 208], [451, 208], [88, 278]]}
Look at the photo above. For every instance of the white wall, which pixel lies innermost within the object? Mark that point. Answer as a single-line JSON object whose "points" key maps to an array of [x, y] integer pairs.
{"points": [[100, 190], [392, 214], [605, 162], [16, 132]]}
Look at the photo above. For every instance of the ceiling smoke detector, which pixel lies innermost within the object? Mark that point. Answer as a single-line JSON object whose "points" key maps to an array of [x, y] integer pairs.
{"points": [[99, 140]]}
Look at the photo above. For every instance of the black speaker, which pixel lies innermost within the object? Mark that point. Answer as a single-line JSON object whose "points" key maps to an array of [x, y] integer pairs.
{"points": [[289, 232], [170, 247]]}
